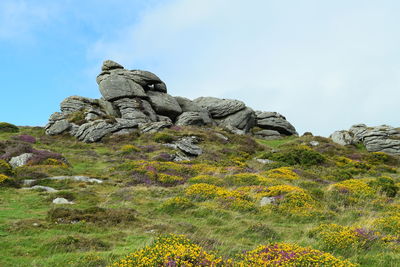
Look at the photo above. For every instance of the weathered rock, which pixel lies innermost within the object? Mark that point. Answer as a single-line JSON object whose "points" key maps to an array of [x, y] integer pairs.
{"points": [[77, 103], [342, 138], [274, 121], [20, 160], [267, 200], [164, 104], [376, 139], [268, 134], [109, 108], [161, 87], [110, 65], [220, 108], [61, 200], [187, 145], [58, 127], [243, 120], [153, 127], [193, 118], [94, 131], [115, 87], [146, 79], [136, 97], [179, 156], [234, 130], [132, 109]]}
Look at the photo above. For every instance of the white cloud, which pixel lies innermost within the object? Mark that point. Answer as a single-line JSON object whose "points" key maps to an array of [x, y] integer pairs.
{"points": [[18, 18], [325, 66]]}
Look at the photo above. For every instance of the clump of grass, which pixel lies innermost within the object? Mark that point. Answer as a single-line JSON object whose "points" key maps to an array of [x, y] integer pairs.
{"points": [[101, 216], [176, 204], [75, 243]]}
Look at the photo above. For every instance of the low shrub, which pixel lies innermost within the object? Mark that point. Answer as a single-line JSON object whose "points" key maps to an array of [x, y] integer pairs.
{"points": [[5, 168], [170, 250], [101, 216], [262, 230], [388, 224], [242, 179], [286, 173], [298, 155], [25, 138], [164, 137], [233, 199], [337, 237], [126, 149], [284, 254], [207, 179], [8, 128], [385, 185], [3, 179], [355, 188], [279, 190], [44, 157], [77, 117], [75, 243], [176, 204]]}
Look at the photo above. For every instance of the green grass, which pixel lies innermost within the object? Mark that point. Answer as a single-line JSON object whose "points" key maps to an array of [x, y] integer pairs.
{"points": [[276, 143], [27, 235]]}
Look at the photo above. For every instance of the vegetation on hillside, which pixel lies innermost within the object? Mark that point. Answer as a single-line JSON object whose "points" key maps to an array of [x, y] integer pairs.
{"points": [[323, 204]]}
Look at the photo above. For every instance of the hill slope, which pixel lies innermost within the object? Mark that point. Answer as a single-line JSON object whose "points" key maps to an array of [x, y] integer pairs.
{"points": [[238, 194]]}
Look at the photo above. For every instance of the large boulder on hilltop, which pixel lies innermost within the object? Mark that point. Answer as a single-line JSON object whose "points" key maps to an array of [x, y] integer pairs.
{"points": [[115, 87], [146, 79], [274, 121], [382, 138], [164, 104], [137, 101], [220, 108]]}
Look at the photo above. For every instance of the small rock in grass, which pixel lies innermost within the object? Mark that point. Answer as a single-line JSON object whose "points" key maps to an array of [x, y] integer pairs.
{"points": [[267, 200], [42, 188], [314, 143], [61, 200]]}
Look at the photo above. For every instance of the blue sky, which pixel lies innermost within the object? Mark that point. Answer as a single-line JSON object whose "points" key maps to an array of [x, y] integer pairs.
{"points": [[325, 65]]}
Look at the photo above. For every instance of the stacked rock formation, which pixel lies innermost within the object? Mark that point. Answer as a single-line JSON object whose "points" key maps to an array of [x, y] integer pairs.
{"points": [[137, 100], [376, 139]]}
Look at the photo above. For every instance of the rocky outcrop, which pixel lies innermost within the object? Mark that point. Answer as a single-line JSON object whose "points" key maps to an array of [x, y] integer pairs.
{"points": [[382, 138], [137, 100], [274, 121]]}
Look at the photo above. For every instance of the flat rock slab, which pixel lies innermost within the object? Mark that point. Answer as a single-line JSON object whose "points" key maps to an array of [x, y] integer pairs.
{"points": [[76, 178], [220, 108], [61, 200], [41, 187]]}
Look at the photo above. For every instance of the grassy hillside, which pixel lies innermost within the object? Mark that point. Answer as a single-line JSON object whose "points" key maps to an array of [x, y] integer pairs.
{"points": [[342, 201]]}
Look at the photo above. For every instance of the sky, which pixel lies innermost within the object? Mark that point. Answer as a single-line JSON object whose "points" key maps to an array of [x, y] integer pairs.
{"points": [[324, 65]]}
